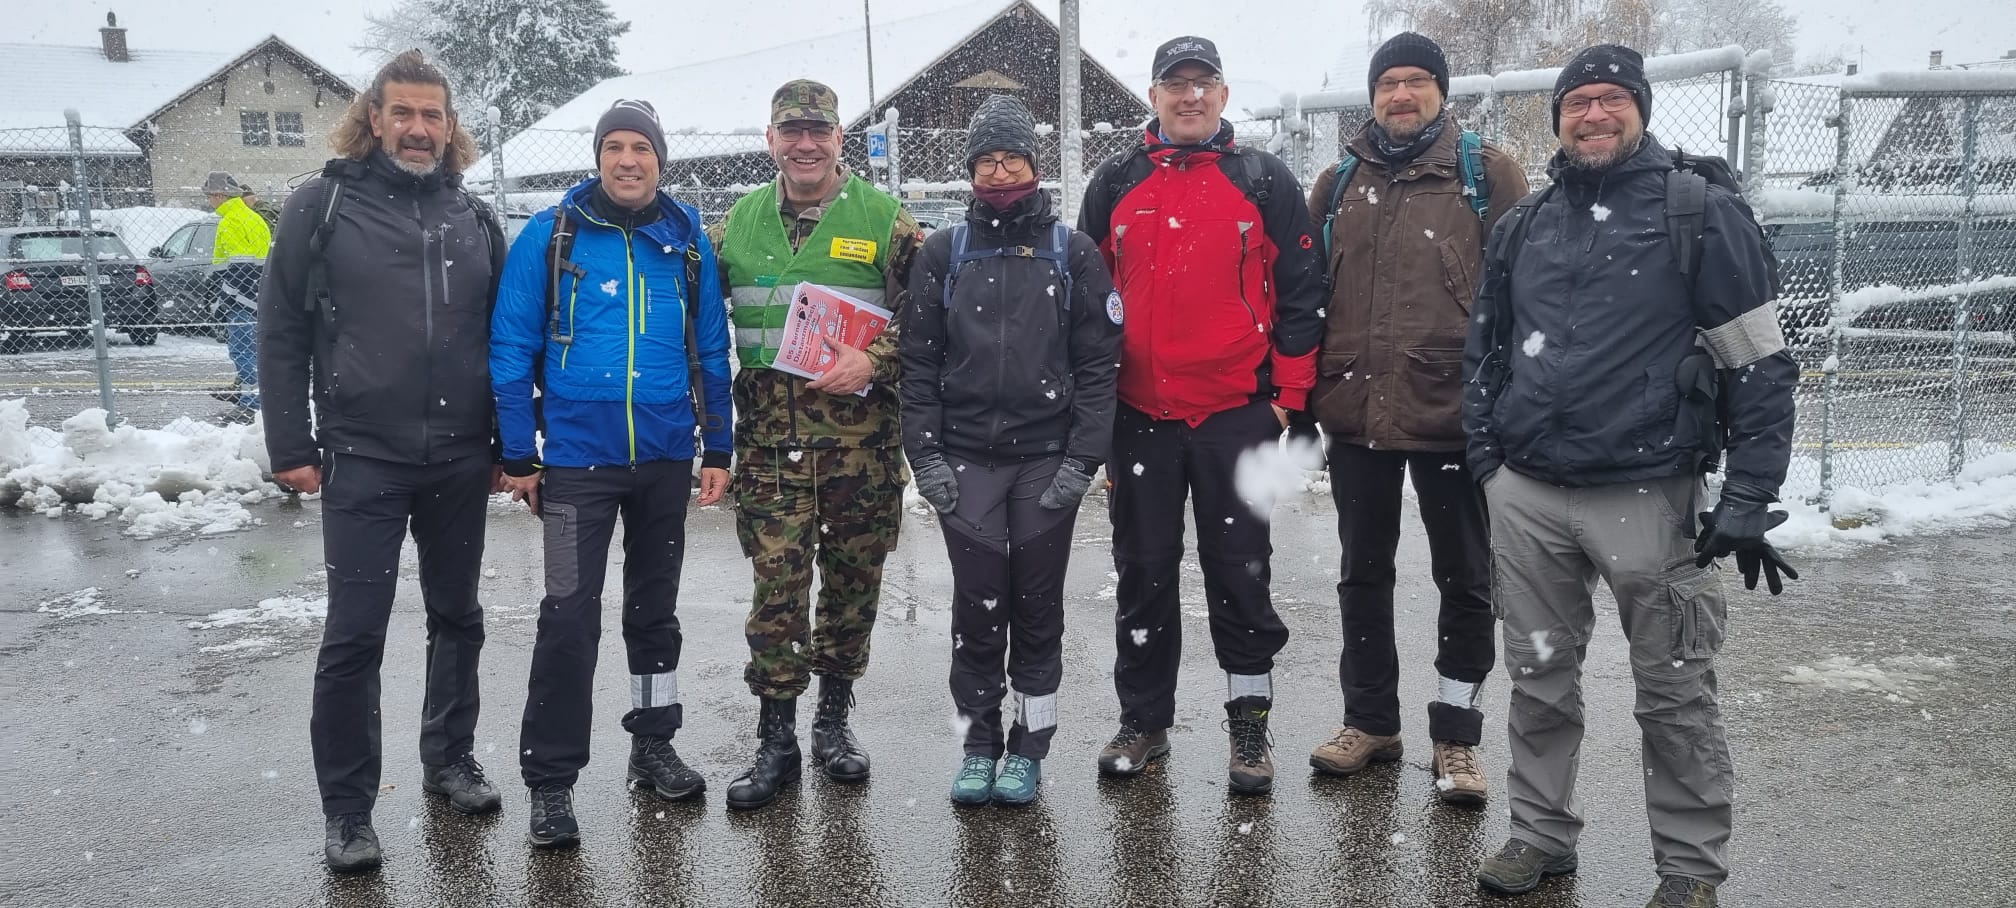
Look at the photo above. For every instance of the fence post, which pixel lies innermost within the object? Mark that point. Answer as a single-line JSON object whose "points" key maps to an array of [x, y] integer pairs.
{"points": [[893, 123], [1963, 304], [81, 189], [1070, 112], [1761, 100], [1734, 143], [497, 159], [1830, 380]]}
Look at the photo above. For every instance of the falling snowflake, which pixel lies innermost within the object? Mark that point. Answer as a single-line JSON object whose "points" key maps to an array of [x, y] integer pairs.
{"points": [[1428, 233], [1140, 635], [609, 286], [1535, 342], [1599, 212], [1139, 469]]}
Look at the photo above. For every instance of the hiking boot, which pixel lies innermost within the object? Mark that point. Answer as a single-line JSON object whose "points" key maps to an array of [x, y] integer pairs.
{"points": [[1017, 783], [1352, 749], [974, 784], [778, 760], [655, 765], [1131, 750], [1459, 778], [833, 742], [349, 844], [1251, 770], [1519, 867], [1676, 891], [553, 823], [463, 784]]}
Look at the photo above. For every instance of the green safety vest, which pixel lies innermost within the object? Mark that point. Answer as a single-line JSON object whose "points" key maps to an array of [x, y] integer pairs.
{"points": [[846, 251]]}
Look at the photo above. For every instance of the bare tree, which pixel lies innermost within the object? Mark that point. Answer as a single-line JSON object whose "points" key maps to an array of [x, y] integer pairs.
{"points": [[411, 24]]}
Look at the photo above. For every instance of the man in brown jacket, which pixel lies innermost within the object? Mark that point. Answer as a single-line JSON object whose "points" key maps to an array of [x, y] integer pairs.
{"points": [[1405, 237]]}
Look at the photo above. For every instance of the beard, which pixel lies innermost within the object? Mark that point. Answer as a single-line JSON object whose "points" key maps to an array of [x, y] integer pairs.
{"points": [[1405, 130], [1627, 145], [419, 170]]}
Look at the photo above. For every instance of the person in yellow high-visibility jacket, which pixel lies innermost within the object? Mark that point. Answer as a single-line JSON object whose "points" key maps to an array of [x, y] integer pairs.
{"points": [[239, 259]]}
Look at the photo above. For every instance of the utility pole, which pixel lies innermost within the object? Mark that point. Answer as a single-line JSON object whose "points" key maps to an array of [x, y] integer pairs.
{"points": [[868, 36], [1070, 106]]}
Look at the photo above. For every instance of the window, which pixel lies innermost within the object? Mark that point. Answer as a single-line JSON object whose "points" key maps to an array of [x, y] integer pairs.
{"points": [[179, 243], [253, 128], [287, 130]]}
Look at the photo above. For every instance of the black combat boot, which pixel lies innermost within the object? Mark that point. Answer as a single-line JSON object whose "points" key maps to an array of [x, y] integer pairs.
{"points": [[655, 765], [833, 743], [350, 845], [778, 761], [552, 815]]}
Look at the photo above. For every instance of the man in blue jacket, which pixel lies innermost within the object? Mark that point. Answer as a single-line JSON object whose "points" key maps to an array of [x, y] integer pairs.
{"points": [[1591, 411], [603, 336]]}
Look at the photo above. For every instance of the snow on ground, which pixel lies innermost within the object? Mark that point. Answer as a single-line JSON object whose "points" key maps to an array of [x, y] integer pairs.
{"points": [[1984, 495], [267, 612], [186, 477], [1895, 677], [76, 605]]}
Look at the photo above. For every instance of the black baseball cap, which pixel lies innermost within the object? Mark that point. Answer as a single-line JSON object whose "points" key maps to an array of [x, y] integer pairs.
{"points": [[1186, 49]]}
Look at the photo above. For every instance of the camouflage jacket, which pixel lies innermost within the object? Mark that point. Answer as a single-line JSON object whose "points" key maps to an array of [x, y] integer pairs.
{"points": [[774, 409]]}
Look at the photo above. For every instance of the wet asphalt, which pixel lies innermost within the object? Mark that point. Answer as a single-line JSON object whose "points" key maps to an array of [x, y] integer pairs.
{"points": [[151, 763]]}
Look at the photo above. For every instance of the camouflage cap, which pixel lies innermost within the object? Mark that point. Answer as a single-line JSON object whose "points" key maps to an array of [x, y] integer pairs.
{"points": [[803, 100]]}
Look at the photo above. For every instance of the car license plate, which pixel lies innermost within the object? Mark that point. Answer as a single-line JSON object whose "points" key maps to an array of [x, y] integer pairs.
{"points": [[78, 280]]}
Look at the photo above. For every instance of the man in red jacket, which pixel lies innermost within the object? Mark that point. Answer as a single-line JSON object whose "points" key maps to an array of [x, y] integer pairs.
{"points": [[1209, 246]]}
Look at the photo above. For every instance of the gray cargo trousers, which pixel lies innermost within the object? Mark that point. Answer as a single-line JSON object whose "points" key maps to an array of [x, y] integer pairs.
{"points": [[1549, 545]]}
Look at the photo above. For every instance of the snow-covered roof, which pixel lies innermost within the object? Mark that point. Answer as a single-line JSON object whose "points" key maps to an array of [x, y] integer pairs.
{"points": [[38, 82], [731, 95]]}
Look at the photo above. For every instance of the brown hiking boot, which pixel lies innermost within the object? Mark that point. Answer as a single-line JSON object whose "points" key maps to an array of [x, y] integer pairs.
{"points": [[1459, 779], [1677, 891], [1351, 749], [1131, 750], [1251, 770]]}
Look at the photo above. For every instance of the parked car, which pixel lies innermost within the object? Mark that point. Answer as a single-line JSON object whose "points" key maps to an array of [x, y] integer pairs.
{"points": [[1889, 265], [47, 288], [936, 214], [181, 266]]}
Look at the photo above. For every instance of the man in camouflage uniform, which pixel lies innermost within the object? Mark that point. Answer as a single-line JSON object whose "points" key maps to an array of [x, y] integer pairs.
{"points": [[819, 475]]}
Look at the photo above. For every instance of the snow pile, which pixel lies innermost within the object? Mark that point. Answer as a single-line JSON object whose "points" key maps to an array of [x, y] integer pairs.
{"points": [[187, 477], [1893, 676], [76, 605], [145, 228], [268, 611], [1984, 495]]}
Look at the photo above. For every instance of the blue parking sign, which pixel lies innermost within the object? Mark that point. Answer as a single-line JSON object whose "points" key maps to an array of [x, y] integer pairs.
{"points": [[878, 151]]}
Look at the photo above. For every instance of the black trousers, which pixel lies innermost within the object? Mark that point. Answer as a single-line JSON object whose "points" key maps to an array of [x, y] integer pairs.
{"points": [[1156, 465], [1009, 555], [579, 509], [367, 507], [1365, 483]]}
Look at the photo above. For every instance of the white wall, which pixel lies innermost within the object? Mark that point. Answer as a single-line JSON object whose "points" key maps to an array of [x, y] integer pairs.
{"points": [[201, 135]]}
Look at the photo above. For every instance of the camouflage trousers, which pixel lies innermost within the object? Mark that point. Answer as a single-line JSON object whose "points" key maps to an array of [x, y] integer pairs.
{"points": [[839, 508]]}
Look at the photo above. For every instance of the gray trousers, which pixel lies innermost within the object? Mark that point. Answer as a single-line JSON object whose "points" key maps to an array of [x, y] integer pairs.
{"points": [[1549, 545]]}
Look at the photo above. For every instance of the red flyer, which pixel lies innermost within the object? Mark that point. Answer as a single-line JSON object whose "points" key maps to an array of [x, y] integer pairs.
{"points": [[818, 313]]}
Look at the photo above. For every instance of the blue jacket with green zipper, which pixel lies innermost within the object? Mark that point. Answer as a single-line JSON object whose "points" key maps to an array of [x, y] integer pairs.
{"points": [[616, 393]]}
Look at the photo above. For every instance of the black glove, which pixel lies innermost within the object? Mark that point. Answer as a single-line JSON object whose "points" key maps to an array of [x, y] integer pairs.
{"points": [[1737, 527], [1302, 429], [1073, 478], [936, 482]]}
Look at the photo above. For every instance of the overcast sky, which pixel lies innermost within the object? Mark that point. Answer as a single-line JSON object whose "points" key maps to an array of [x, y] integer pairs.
{"points": [[1288, 44]]}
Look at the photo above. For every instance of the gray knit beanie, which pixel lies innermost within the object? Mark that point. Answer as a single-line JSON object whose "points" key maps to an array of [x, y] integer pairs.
{"points": [[1002, 123]]}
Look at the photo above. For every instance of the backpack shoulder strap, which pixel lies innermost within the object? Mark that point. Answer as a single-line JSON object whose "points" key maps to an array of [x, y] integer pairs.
{"points": [[696, 371], [1686, 202], [334, 177], [1476, 182], [559, 261], [1059, 253], [1341, 177], [1501, 259], [961, 235]]}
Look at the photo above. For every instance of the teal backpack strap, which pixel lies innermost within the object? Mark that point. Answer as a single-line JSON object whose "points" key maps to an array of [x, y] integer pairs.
{"points": [[1476, 183], [1343, 172]]}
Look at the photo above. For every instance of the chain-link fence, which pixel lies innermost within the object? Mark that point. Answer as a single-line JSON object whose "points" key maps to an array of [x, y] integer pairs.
{"points": [[1891, 207], [1893, 217]]}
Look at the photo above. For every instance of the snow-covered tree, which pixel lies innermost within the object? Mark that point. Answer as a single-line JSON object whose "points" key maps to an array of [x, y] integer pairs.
{"points": [[525, 57], [1686, 25]]}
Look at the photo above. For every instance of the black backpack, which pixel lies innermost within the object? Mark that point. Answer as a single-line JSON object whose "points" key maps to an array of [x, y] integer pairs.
{"points": [[1686, 204]]}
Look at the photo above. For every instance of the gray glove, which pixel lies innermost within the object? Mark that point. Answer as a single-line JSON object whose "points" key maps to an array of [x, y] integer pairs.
{"points": [[1073, 479], [936, 482]]}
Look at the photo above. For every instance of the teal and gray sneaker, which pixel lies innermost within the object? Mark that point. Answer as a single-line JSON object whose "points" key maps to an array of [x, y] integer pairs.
{"points": [[1018, 781], [975, 782]]}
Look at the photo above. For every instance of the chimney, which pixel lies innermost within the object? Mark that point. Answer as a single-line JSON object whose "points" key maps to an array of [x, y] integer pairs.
{"points": [[114, 39], [1853, 68], [1938, 58]]}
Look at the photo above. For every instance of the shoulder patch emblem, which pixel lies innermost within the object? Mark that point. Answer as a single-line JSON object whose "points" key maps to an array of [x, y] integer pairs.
{"points": [[1114, 311]]}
